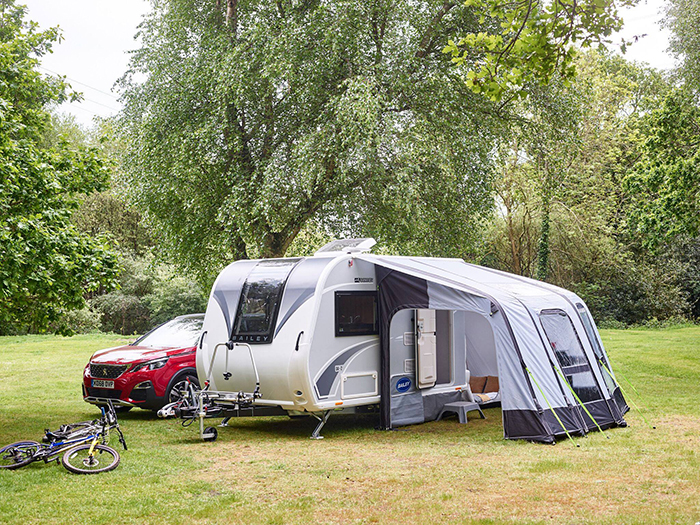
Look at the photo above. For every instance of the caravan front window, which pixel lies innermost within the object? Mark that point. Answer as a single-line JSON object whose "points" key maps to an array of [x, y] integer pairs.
{"points": [[260, 301]]}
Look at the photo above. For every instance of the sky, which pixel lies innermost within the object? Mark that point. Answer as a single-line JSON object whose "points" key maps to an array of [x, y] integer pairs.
{"points": [[98, 34]]}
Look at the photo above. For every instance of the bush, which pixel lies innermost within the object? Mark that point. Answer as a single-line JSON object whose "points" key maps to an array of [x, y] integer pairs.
{"points": [[121, 313], [173, 297], [149, 294], [83, 321]]}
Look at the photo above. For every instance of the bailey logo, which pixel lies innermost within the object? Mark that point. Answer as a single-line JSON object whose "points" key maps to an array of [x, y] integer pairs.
{"points": [[364, 279], [403, 385], [251, 338]]}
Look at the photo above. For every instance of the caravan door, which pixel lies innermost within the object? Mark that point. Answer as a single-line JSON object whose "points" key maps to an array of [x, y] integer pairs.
{"points": [[426, 348]]}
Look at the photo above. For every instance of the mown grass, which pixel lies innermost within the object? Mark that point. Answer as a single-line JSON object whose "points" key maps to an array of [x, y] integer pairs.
{"points": [[267, 471]]}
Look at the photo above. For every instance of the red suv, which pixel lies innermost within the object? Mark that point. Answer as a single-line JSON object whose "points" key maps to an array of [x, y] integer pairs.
{"points": [[150, 372]]}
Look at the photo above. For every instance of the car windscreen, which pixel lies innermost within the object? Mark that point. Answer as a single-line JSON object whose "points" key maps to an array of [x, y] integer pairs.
{"points": [[180, 333]]}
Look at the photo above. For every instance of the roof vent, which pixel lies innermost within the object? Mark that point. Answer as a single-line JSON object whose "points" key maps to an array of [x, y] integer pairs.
{"points": [[343, 246]]}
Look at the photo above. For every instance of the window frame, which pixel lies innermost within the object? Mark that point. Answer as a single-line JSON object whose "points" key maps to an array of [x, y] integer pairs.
{"points": [[350, 293]]}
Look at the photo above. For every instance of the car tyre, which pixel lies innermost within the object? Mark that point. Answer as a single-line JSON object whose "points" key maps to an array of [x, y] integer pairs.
{"points": [[179, 388]]}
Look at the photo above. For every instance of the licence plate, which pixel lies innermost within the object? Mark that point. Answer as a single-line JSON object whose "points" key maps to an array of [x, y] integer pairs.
{"points": [[100, 383]]}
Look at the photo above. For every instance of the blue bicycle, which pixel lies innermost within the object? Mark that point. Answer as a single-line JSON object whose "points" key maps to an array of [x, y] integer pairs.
{"points": [[82, 446]]}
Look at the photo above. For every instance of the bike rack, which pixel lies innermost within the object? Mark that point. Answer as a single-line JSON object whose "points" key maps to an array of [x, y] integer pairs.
{"points": [[242, 399]]}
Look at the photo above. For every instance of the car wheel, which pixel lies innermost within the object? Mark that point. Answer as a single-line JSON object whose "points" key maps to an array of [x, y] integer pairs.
{"points": [[179, 389]]}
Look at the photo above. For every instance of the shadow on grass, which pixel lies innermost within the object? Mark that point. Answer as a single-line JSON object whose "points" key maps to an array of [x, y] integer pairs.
{"points": [[348, 426]]}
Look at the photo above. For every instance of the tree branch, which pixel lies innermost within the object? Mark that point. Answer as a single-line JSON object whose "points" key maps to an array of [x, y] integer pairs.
{"points": [[424, 45]]}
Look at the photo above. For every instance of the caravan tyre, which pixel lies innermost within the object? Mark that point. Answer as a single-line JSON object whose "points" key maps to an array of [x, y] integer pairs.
{"points": [[210, 434]]}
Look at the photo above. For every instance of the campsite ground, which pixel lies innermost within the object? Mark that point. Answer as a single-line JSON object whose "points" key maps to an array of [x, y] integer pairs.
{"points": [[267, 470]]}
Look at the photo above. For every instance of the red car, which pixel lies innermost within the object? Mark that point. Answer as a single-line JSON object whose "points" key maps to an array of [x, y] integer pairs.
{"points": [[150, 372]]}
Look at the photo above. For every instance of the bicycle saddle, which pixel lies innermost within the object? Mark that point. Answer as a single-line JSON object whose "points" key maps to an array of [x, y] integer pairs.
{"points": [[51, 436]]}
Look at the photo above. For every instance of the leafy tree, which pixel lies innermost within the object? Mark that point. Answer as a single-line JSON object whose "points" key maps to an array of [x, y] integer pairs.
{"points": [[149, 294], [590, 250], [46, 264], [683, 19], [520, 42], [536, 161], [255, 118], [666, 181], [107, 214]]}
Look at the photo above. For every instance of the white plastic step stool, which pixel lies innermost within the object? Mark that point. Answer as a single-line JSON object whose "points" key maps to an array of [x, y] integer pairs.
{"points": [[461, 408]]}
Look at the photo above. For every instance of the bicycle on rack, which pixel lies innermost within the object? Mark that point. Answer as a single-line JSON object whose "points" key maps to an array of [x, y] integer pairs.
{"points": [[82, 447]]}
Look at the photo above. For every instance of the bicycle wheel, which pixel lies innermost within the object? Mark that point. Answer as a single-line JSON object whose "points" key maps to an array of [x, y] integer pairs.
{"points": [[18, 454], [80, 461]]}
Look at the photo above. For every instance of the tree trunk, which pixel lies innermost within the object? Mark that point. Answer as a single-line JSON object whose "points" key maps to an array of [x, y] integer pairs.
{"points": [[543, 244]]}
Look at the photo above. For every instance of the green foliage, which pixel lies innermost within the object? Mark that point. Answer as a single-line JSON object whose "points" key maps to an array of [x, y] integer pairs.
{"points": [[666, 181], [121, 313], [106, 214], [149, 294], [529, 41], [173, 295], [560, 179], [46, 264], [682, 18], [83, 321], [253, 121]]}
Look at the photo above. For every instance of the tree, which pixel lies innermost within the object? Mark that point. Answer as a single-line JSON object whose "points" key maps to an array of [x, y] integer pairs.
{"points": [[683, 19], [255, 118], [590, 133], [46, 264], [536, 160], [665, 183], [522, 42]]}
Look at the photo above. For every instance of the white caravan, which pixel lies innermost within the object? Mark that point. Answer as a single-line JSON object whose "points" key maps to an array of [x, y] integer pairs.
{"points": [[344, 329]]}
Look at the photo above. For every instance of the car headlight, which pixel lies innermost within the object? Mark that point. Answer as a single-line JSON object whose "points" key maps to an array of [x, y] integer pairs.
{"points": [[151, 365]]}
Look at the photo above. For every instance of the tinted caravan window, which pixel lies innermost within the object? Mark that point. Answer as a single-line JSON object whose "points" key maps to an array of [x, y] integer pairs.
{"points": [[356, 313], [569, 352], [260, 301]]}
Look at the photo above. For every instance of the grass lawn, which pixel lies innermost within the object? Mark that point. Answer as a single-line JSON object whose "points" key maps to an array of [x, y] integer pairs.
{"points": [[267, 470]]}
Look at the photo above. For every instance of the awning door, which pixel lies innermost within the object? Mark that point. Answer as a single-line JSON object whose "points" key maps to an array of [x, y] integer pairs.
{"points": [[426, 348]]}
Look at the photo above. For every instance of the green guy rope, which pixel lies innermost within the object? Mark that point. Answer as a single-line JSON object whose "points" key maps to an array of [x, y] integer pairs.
{"points": [[579, 401], [628, 382], [550, 406], [627, 398]]}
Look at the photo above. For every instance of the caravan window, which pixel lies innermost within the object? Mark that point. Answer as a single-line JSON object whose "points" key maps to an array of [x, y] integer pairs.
{"points": [[356, 313], [260, 301], [569, 352]]}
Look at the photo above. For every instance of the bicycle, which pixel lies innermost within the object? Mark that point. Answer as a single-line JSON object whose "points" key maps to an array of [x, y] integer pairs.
{"points": [[81, 446]]}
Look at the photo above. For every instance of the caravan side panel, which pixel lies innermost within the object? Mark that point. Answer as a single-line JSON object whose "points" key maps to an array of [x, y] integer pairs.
{"points": [[344, 351]]}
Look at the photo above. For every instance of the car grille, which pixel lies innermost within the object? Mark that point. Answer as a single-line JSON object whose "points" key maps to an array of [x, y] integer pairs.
{"points": [[105, 393], [107, 371]]}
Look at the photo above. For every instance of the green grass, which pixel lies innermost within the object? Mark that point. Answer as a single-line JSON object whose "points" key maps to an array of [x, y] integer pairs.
{"points": [[267, 471]]}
